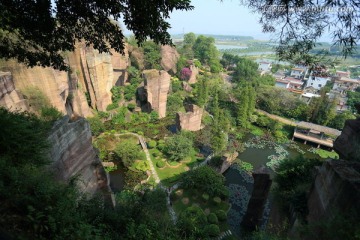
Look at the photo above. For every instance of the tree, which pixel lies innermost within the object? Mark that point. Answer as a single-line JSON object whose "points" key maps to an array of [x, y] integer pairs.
{"points": [[188, 43], [36, 32], [338, 121], [152, 56], [205, 50], [128, 151], [246, 71], [178, 147], [299, 24]]}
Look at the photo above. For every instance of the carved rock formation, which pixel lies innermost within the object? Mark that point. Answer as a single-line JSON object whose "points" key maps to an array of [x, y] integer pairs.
{"points": [[191, 120], [194, 73], [101, 77], [11, 98], [255, 210], [120, 64], [227, 160], [72, 154], [336, 189], [169, 58], [347, 145], [157, 84]]}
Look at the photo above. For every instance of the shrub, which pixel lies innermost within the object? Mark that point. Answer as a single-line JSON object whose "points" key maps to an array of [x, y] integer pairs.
{"points": [[50, 114], [112, 106], [217, 200], [212, 218], [221, 215], [151, 144], [142, 166], [160, 164], [212, 230], [205, 196], [155, 152], [131, 106]]}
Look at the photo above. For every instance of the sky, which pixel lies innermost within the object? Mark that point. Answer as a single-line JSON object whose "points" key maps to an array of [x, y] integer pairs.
{"points": [[215, 17]]}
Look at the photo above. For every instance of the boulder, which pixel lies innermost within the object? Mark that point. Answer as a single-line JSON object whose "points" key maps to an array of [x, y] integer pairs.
{"points": [[169, 58], [194, 73]]}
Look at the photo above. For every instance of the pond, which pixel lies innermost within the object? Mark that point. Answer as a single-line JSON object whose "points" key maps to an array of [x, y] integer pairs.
{"points": [[117, 179], [240, 182]]}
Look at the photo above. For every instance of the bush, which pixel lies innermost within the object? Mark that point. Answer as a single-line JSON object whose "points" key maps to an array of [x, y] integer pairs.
{"points": [[112, 106], [212, 218], [131, 106], [212, 230], [151, 144], [141, 166], [50, 114], [217, 200], [160, 164], [205, 196], [155, 152], [221, 215]]}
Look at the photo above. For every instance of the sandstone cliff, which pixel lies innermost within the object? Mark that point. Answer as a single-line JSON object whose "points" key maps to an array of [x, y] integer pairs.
{"points": [[91, 73], [73, 155], [157, 84], [191, 120], [9, 96], [169, 58]]}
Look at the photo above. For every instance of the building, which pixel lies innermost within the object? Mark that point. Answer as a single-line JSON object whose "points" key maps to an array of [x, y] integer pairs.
{"points": [[343, 84], [298, 73], [317, 81], [264, 66], [307, 97], [342, 74], [289, 83]]}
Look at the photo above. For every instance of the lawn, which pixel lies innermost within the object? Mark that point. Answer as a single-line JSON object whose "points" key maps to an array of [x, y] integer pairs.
{"points": [[181, 199], [171, 172]]}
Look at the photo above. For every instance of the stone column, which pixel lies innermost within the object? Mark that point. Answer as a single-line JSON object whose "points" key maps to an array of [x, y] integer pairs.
{"points": [[256, 206]]}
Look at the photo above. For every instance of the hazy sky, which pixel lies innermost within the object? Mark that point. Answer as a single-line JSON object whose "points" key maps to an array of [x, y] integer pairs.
{"points": [[215, 17]]}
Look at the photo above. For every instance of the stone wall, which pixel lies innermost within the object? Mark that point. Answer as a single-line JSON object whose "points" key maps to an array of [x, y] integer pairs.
{"points": [[73, 155], [191, 120], [157, 84]]}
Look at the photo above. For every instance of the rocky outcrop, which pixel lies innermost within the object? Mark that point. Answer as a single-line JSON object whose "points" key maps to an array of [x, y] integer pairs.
{"points": [[101, 76], [136, 56], [336, 190], [227, 159], [194, 73], [255, 209], [120, 63], [347, 145], [191, 120], [11, 98], [186, 86], [169, 58], [90, 73], [73, 155], [157, 84]]}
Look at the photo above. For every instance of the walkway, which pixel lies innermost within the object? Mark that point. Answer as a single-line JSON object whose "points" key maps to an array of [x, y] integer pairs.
{"points": [[156, 176], [277, 118]]}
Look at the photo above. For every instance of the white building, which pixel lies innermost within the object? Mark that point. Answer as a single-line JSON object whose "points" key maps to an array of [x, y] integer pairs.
{"points": [[297, 73], [264, 66], [317, 82]]}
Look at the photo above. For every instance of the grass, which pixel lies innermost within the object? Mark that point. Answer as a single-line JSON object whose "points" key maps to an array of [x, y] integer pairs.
{"points": [[327, 154], [169, 175], [191, 197]]}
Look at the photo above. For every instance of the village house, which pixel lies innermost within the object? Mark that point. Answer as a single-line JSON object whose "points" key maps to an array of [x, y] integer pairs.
{"points": [[264, 67], [318, 78]]}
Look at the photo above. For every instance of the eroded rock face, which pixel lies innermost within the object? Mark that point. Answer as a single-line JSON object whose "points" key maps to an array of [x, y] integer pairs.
{"points": [[347, 145], [72, 154], [120, 64], [101, 77], [157, 84], [336, 189], [191, 120], [194, 73], [169, 58], [10, 98]]}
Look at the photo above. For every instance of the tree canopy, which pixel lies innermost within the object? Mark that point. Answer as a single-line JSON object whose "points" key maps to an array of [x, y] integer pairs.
{"points": [[300, 23], [36, 32]]}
